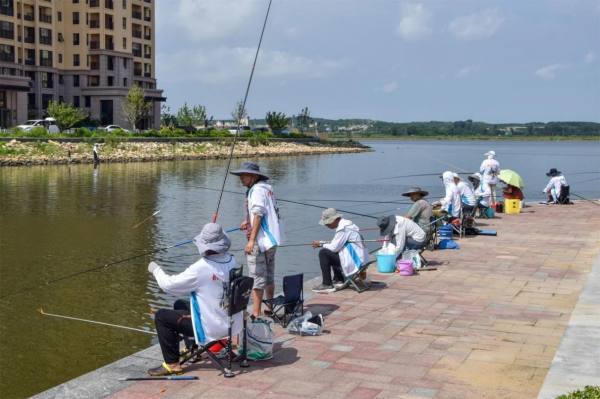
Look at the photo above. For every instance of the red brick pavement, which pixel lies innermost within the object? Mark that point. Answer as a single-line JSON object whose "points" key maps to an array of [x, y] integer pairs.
{"points": [[486, 324]]}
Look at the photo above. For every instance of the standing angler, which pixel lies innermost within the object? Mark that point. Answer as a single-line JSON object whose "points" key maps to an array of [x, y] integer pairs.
{"points": [[264, 232], [489, 169]]}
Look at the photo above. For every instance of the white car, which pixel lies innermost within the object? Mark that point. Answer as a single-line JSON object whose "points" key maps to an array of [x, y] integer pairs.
{"points": [[112, 128], [49, 124]]}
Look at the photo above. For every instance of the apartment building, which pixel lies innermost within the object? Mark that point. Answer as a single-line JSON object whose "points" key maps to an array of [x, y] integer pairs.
{"points": [[84, 52]]}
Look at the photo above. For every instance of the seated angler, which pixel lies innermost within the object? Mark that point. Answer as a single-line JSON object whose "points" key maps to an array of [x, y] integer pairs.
{"points": [[401, 234], [467, 196], [343, 256], [482, 192], [205, 282], [451, 203], [420, 212], [557, 188]]}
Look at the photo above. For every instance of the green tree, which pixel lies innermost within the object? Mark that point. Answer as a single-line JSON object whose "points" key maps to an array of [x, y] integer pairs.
{"points": [[304, 119], [135, 107], [277, 120], [239, 113], [66, 115], [184, 116], [199, 115], [167, 119]]}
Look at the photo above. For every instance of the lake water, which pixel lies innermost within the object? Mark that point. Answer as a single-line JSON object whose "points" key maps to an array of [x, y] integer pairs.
{"points": [[57, 220]]}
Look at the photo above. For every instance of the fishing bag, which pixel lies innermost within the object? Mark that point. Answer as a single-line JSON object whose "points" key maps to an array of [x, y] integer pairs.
{"points": [[259, 343]]}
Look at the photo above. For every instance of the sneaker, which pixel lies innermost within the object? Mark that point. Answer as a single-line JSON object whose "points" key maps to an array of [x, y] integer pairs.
{"points": [[323, 288], [339, 285]]}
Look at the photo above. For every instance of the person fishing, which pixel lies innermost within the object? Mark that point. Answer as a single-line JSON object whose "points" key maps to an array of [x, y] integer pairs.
{"points": [[420, 212], [467, 196], [203, 317], [401, 233], [482, 193], [489, 169], [95, 151], [264, 232], [451, 203], [343, 255], [557, 189]]}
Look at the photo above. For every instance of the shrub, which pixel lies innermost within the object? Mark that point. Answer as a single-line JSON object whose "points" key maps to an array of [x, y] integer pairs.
{"points": [[35, 132], [6, 149], [259, 139], [83, 132], [49, 148], [589, 392]]}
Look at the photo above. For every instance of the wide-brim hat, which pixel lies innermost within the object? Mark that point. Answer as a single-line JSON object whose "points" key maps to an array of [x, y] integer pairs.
{"points": [[475, 176], [249, 168], [491, 152], [553, 172], [386, 225], [328, 216], [415, 190], [212, 238]]}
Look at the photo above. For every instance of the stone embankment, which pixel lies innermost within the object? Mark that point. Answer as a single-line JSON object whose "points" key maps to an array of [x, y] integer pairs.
{"points": [[16, 153]]}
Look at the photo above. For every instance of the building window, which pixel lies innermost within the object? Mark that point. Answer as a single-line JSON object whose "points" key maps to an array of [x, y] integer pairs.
{"points": [[124, 43], [45, 14], [75, 18], [75, 1], [29, 56], [29, 34], [61, 79], [7, 8], [136, 49], [76, 101], [124, 23], [47, 81], [124, 4], [109, 4], [110, 63], [93, 81], [108, 22], [109, 44], [46, 98], [110, 81], [88, 101], [76, 60], [75, 39], [59, 16], [7, 53], [124, 63], [45, 36], [124, 82], [46, 58], [31, 100], [7, 30], [60, 58], [75, 80]]}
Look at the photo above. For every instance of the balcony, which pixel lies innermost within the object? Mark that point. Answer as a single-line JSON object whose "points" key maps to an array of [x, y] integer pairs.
{"points": [[137, 34], [29, 61], [94, 3], [94, 45], [7, 33], [148, 55], [147, 75], [94, 23], [136, 13], [29, 17], [109, 4]]}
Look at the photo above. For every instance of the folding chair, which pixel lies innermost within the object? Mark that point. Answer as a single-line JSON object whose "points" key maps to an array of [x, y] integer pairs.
{"points": [[563, 199], [355, 282], [235, 300], [291, 303]]}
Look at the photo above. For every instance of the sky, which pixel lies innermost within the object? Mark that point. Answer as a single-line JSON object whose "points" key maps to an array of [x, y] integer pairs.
{"points": [[487, 60]]}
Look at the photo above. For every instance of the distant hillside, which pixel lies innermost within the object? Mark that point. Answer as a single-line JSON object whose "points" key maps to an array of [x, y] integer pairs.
{"points": [[366, 127]]}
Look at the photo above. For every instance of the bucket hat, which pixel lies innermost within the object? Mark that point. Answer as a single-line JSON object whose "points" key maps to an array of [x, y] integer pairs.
{"points": [[553, 172], [212, 238], [475, 176], [491, 152], [386, 225], [328, 216], [249, 168], [415, 190]]}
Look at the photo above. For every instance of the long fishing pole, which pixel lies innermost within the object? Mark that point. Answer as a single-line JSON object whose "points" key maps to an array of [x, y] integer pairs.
{"points": [[60, 316], [403, 176], [357, 201], [104, 266], [237, 132], [595, 202]]}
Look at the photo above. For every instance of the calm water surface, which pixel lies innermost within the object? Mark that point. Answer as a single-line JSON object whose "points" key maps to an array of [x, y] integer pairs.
{"points": [[58, 220]]}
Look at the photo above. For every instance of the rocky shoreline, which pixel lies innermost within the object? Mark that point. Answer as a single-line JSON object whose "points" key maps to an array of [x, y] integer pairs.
{"points": [[16, 153]]}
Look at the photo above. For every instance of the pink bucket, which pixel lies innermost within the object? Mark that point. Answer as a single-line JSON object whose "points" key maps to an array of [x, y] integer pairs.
{"points": [[405, 267]]}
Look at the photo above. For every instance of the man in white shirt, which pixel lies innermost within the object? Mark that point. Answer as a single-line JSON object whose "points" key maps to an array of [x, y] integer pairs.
{"points": [[204, 317], [451, 203], [264, 231], [482, 192], [401, 233], [557, 187], [490, 169], [343, 255]]}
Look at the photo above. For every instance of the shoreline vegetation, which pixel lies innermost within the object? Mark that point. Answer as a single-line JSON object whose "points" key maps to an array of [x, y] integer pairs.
{"points": [[111, 150], [379, 137]]}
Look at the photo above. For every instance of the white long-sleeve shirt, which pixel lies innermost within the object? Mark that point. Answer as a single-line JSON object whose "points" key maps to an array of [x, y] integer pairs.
{"points": [[451, 202], [467, 195], [489, 169], [484, 193], [404, 228], [261, 201], [348, 243], [554, 186], [205, 282]]}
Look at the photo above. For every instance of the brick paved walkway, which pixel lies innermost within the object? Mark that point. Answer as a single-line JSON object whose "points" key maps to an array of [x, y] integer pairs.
{"points": [[486, 324]]}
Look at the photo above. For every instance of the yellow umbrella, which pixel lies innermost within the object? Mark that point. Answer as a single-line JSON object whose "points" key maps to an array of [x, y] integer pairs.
{"points": [[511, 177]]}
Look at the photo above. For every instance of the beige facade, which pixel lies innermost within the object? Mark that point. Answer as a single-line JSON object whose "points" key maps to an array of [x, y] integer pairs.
{"points": [[85, 52]]}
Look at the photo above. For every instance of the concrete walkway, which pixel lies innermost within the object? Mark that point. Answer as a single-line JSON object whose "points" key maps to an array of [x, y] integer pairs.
{"points": [[486, 324]]}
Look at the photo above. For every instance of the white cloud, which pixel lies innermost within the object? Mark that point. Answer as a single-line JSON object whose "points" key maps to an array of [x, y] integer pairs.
{"points": [[212, 19], [390, 87], [223, 64], [477, 26], [415, 21], [466, 71], [590, 57], [549, 72]]}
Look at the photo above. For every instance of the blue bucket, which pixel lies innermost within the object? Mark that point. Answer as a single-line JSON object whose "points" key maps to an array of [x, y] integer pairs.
{"points": [[386, 263], [445, 232]]}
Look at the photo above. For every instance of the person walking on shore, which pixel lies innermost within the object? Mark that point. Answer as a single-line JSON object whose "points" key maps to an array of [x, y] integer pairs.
{"points": [[264, 232], [489, 169]]}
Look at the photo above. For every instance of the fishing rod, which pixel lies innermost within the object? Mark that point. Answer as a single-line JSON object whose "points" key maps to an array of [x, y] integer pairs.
{"points": [[104, 266], [403, 176], [595, 202], [149, 217], [358, 201], [161, 378], [60, 316], [243, 108]]}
